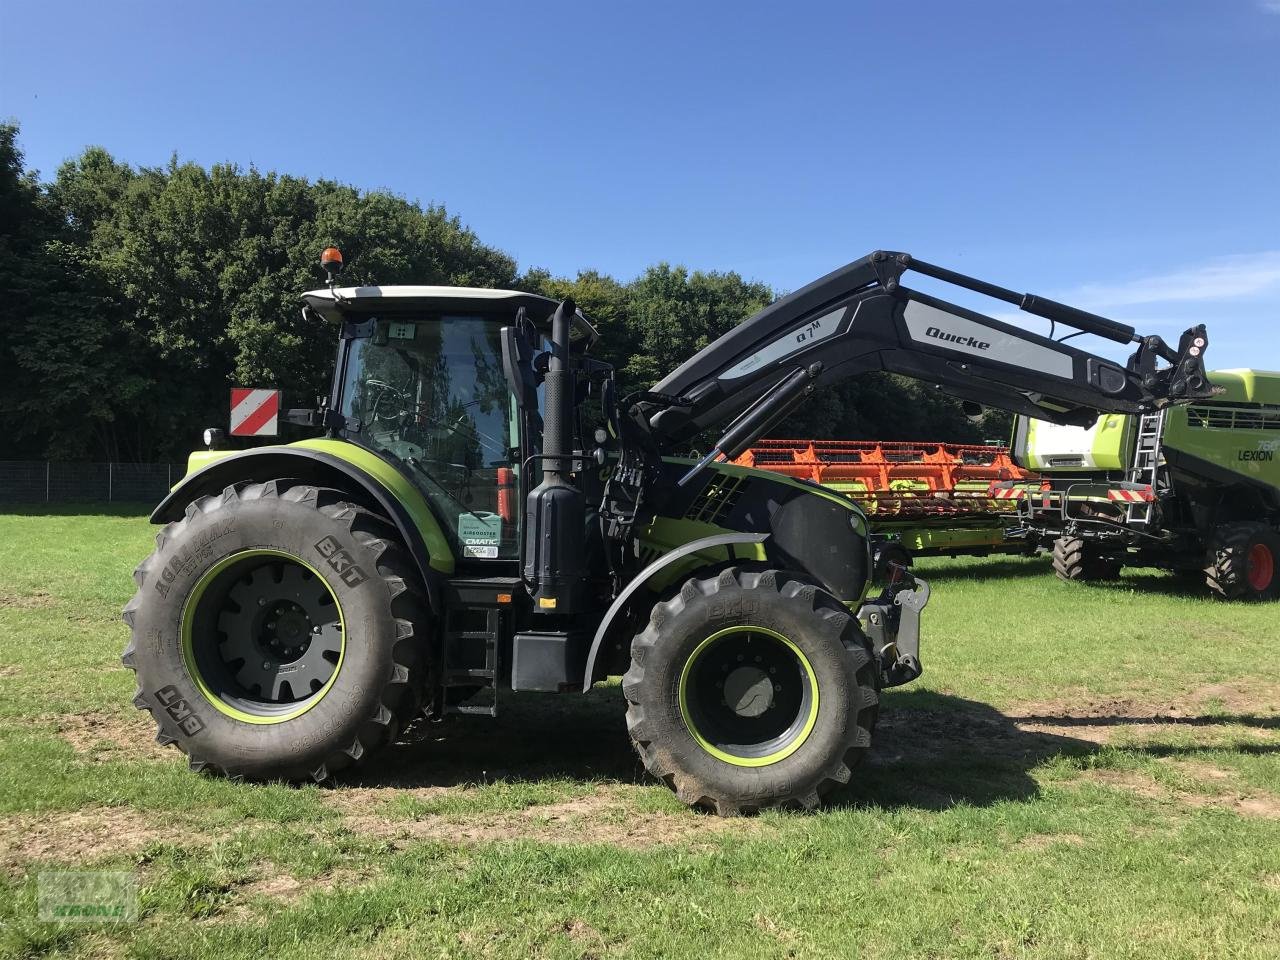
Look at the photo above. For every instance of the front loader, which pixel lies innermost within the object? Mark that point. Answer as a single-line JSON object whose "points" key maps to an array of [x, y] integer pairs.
{"points": [[483, 515]]}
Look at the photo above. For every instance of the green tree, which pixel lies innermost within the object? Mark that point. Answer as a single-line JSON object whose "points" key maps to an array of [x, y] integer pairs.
{"points": [[140, 295]]}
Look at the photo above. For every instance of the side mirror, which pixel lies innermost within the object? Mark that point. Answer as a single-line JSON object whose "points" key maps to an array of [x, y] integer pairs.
{"points": [[517, 363]]}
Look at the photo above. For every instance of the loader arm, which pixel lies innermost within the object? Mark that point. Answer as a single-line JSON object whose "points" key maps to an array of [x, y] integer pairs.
{"points": [[861, 318]]}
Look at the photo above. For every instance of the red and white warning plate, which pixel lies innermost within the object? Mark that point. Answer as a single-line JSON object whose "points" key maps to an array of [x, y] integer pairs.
{"points": [[254, 412], [1140, 495]]}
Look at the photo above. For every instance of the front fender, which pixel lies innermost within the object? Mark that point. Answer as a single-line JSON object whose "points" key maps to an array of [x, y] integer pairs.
{"points": [[647, 575], [330, 463]]}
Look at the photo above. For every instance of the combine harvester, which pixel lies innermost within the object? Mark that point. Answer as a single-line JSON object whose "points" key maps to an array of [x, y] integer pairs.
{"points": [[1191, 489], [922, 499]]}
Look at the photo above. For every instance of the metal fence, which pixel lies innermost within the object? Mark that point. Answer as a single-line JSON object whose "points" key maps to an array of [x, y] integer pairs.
{"points": [[42, 481]]}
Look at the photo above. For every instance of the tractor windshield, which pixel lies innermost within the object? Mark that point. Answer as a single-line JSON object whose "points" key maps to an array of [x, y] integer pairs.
{"points": [[430, 393]]}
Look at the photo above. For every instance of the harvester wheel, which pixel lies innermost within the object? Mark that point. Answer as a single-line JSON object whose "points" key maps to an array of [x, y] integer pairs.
{"points": [[751, 689], [1244, 562], [1074, 559], [276, 633]]}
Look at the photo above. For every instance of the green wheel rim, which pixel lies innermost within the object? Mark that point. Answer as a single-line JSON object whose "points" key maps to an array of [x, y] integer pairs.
{"points": [[748, 696], [287, 591]]}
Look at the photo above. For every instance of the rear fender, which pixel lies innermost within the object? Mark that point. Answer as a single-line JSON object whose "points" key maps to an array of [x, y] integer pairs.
{"points": [[375, 484]]}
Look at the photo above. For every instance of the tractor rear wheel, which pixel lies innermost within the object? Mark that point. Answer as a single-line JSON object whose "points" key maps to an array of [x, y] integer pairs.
{"points": [[751, 689], [1075, 559], [275, 633], [1244, 562]]}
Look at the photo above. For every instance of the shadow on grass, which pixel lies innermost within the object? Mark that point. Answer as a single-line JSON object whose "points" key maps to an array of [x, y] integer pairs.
{"points": [[1155, 582], [1144, 580], [1253, 720], [939, 570], [534, 737], [932, 751]]}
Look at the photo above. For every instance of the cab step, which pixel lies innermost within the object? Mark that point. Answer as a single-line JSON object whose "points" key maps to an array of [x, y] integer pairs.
{"points": [[477, 612]]}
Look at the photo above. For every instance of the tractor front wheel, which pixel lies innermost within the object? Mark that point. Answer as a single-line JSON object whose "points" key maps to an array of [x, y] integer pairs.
{"points": [[1244, 562], [1074, 558], [749, 690], [275, 633]]}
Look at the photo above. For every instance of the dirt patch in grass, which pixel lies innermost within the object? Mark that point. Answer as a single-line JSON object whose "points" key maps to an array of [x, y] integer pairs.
{"points": [[1200, 770], [1098, 720], [82, 835], [1043, 841], [278, 886], [1262, 805], [276, 883], [27, 601], [102, 736], [603, 817], [1242, 697], [362, 801]]}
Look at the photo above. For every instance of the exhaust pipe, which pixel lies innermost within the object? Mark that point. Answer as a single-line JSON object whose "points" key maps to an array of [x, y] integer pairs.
{"points": [[555, 515]]}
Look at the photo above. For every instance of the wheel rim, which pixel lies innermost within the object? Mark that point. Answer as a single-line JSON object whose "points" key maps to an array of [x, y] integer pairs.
{"points": [[263, 636], [748, 696], [1261, 566]]}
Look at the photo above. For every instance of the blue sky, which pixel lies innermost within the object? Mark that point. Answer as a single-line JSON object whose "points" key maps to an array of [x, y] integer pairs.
{"points": [[1124, 157]]}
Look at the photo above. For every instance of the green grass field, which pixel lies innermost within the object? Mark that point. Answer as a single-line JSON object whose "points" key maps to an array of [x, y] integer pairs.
{"points": [[1081, 772]]}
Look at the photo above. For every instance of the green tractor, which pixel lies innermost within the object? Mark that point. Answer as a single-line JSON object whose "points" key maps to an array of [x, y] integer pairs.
{"points": [[481, 514], [1191, 489]]}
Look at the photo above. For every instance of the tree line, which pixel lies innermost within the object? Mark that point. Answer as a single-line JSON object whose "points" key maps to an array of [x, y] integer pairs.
{"points": [[134, 297]]}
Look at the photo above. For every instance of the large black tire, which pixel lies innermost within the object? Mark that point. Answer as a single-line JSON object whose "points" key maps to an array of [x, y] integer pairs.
{"points": [[1075, 559], [250, 547], [686, 633], [1244, 562]]}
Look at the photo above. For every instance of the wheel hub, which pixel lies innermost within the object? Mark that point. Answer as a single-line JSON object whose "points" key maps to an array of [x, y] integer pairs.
{"points": [[278, 637], [285, 633], [748, 691], [748, 696], [1260, 567]]}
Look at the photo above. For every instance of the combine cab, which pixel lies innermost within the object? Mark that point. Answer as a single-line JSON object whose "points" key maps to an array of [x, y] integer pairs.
{"points": [[1192, 489]]}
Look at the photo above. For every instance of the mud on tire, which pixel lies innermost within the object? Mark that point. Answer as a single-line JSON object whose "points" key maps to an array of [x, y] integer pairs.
{"points": [[304, 532], [824, 636]]}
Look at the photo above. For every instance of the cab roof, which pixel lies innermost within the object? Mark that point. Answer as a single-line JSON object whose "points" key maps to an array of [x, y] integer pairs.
{"points": [[331, 304], [1247, 386]]}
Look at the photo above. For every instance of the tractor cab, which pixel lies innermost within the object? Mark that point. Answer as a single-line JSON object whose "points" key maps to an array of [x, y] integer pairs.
{"points": [[420, 381]]}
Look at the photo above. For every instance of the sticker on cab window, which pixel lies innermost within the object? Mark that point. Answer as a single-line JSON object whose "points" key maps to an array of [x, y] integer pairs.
{"points": [[402, 331], [480, 534]]}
